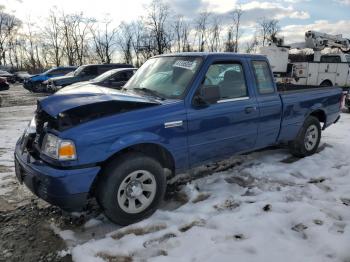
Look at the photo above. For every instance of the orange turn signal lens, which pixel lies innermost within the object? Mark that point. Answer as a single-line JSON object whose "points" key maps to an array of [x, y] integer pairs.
{"points": [[66, 151]]}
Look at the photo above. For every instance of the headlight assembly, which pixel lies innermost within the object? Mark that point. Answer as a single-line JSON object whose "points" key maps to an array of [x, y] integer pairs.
{"points": [[57, 148]]}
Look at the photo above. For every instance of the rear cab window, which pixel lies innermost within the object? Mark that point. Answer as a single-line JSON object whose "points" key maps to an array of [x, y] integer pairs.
{"points": [[263, 79]]}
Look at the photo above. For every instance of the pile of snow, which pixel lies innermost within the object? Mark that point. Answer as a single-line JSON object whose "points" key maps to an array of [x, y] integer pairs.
{"points": [[271, 207]]}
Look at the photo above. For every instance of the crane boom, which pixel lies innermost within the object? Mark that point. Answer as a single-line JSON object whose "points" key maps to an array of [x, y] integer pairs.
{"points": [[319, 41]]}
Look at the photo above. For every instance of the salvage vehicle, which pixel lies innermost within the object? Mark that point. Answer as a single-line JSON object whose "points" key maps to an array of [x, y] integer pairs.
{"points": [[3, 84], [83, 73], [115, 78], [10, 78], [35, 82], [178, 112]]}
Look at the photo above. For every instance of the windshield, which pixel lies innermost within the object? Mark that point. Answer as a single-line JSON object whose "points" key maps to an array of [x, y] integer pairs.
{"points": [[104, 76], [78, 70], [166, 77], [48, 71]]}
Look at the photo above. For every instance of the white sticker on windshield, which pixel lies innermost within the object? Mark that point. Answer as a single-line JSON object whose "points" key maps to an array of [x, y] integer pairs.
{"points": [[185, 64]]}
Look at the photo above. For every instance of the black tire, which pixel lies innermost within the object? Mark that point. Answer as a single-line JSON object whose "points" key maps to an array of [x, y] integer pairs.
{"points": [[112, 179], [326, 83], [300, 147]]}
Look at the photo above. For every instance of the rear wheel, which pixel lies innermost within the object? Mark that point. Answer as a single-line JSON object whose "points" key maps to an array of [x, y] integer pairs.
{"points": [[308, 139], [131, 188]]}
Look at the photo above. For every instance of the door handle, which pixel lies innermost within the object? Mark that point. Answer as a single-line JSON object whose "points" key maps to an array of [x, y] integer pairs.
{"points": [[250, 109]]}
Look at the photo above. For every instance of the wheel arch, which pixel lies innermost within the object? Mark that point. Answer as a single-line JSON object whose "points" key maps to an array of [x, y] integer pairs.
{"points": [[152, 149], [321, 115], [326, 82]]}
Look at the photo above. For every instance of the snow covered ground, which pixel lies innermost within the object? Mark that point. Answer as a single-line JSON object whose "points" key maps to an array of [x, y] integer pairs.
{"points": [[13, 121], [268, 207]]}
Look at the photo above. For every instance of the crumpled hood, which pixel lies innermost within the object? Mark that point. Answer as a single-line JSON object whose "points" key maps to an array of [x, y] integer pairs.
{"points": [[87, 95]]}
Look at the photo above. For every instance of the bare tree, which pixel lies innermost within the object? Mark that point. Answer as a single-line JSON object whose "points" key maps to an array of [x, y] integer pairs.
{"points": [[201, 27], [125, 41], [104, 41], [8, 24], [67, 23], [76, 33], [252, 45], [268, 29], [178, 24], [157, 23], [181, 34], [214, 35], [229, 44], [138, 30], [236, 17], [234, 31], [31, 46], [53, 33]]}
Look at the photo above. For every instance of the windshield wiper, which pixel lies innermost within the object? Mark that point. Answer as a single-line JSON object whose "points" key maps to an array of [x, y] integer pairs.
{"points": [[149, 91]]}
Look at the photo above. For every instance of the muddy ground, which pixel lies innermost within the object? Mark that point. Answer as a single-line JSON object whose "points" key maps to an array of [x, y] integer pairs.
{"points": [[24, 220]]}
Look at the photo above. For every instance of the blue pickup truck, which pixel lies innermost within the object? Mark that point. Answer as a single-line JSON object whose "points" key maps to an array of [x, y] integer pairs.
{"points": [[176, 113]]}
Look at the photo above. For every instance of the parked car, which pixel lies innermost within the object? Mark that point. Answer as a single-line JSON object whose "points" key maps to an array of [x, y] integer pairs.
{"points": [[10, 78], [3, 84], [176, 113], [83, 73], [21, 75], [115, 78], [34, 83]]}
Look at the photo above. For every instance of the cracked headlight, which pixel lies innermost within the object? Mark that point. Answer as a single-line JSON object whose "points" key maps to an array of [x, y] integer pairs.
{"points": [[57, 148]]}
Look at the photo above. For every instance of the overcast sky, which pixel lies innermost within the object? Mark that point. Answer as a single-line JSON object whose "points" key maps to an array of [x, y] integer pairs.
{"points": [[296, 16]]}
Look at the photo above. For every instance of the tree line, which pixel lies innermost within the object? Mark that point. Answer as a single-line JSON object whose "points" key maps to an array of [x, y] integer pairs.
{"points": [[75, 39]]}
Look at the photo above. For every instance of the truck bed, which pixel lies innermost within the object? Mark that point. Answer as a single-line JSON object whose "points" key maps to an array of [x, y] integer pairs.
{"points": [[298, 103]]}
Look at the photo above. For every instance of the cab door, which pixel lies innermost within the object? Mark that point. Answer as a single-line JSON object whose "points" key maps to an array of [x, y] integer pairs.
{"points": [[229, 125], [270, 104]]}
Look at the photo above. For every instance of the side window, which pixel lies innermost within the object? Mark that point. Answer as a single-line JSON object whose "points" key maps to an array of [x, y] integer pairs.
{"points": [[228, 79], [263, 77], [90, 70], [102, 69], [67, 70], [56, 72]]}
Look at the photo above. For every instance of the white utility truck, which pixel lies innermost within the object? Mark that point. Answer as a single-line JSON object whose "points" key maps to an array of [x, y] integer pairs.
{"points": [[332, 69]]}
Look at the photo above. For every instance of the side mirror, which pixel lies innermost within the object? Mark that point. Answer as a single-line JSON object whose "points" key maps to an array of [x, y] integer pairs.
{"points": [[206, 95]]}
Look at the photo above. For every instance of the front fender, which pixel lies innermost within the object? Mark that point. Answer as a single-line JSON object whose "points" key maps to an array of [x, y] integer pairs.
{"points": [[134, 139]]}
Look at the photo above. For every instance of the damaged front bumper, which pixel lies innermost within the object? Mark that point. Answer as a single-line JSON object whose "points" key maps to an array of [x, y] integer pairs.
{"points": [[66, 188]]}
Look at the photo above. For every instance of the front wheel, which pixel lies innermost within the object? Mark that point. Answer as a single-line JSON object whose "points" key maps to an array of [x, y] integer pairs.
{"points": [[308, 139], [131, 188]]}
